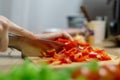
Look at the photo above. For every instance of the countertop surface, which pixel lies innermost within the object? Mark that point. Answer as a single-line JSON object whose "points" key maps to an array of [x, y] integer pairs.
{"points": [[10, 58]]}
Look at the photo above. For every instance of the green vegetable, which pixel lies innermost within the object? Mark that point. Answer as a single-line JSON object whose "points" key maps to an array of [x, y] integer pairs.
{"points": [[93, 66], [81, 78], [29, 71]]}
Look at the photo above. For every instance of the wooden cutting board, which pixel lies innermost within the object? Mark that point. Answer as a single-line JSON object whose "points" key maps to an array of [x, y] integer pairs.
{"points": [[28, 49], [114, 53], [37, 61]]}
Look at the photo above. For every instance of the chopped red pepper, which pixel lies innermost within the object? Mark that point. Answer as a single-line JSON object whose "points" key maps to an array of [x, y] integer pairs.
{"points": [[93, 55], [75, 52]]}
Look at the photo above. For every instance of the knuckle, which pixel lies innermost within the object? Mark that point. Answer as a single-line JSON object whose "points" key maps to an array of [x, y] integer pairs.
{"points": [[3, 20], [4, 24]]}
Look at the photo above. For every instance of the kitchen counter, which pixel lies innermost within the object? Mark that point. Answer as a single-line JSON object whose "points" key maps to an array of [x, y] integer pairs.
{"points": [[10, 58]]}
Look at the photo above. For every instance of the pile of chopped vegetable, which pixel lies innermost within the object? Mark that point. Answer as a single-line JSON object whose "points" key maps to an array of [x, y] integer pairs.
{"points": [[89, 71], [75, 52]]}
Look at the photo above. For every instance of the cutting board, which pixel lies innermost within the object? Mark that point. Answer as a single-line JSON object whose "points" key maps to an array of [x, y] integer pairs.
{"points": [[37, 61], [114, 53]]}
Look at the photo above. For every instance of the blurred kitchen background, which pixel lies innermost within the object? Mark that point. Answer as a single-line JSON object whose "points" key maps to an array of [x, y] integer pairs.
{"points": [[40, 15]]}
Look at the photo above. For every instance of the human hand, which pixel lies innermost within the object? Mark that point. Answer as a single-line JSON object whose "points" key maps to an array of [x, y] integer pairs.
{"points": [[28, 49], [7, 26]]}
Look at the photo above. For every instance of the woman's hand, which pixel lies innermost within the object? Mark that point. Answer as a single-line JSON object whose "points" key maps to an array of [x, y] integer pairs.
{"points": [[7, 26]]}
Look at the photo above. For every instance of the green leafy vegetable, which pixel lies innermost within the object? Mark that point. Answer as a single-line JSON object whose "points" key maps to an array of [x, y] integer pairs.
{"points": [[81, 78], [29, 71]]}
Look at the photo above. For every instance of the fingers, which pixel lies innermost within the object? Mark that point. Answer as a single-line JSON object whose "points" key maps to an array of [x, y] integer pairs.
{"points": [[53, 36], [67, 36]]}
